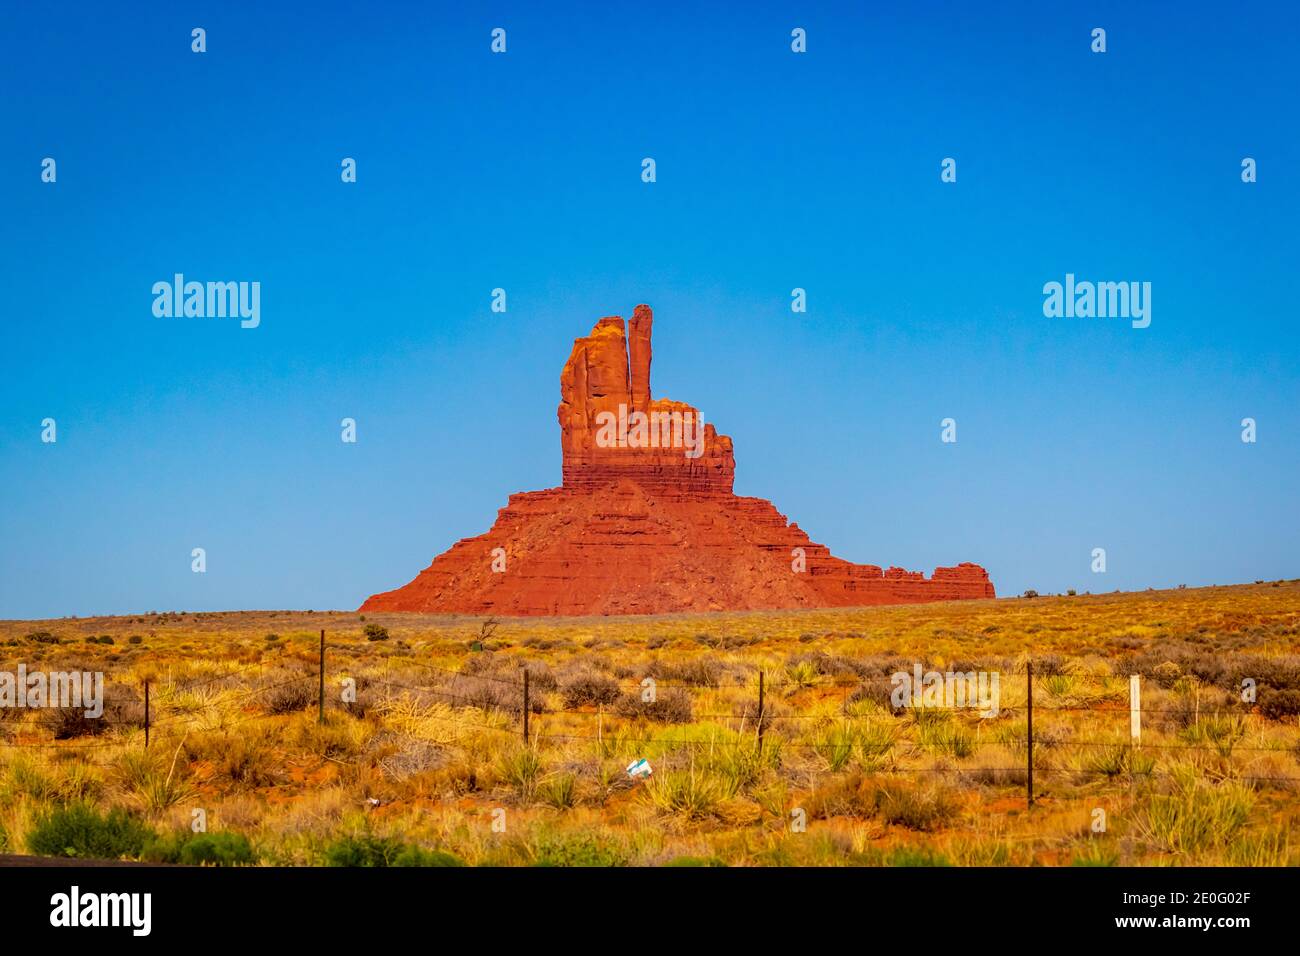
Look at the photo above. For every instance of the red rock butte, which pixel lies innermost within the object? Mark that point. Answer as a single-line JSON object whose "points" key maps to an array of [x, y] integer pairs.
{"points": [[645, 521]]}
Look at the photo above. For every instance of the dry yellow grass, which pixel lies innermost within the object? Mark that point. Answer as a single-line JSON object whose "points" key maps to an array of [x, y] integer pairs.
{"points": [[430, 753]]}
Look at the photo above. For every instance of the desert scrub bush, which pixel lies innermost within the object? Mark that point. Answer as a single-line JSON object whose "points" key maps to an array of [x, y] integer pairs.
{"points": [[79, 831], [152, 780], [1096, 853], [418, 856], [1195, 815], [540, 676], [338, 738], [989, 851], [289, 698], [123, 707], [822, 664], [489, 694], [699, 671], [922, 717], [588, 689], [908, 856], [507, 671], [739, 763], [670, 706], [375, 632], [66, 723], [1012, 734], [1279, 704], [372, 851], [876, 738], [584, 848], [244, 758], [462, 775], [25, 777], [1220, 732], [1268, 847], [521, 767], [848, 796], [1059, 685], [949, 739], [800, 674], [835, 745], [222, 848], [874, 692], [693, 793], [1187, 699], [916, 806], [559, 791], [359, 704], [78, 782], [1113, 760], [401, 757], [691, 861], [773, 798]]}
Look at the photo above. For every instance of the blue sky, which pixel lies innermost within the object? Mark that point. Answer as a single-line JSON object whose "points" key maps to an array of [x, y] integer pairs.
{"points": [[522, 171]]}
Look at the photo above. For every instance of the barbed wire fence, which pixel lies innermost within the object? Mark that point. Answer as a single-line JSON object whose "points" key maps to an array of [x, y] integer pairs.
{"points": [[763, 717]]}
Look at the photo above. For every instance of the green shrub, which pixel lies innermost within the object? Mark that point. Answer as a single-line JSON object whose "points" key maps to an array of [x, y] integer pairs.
{"points": [[373, 851], [915, 856], [1196, 815], [366, 851], [583, 849], [78, 831], [1094, 853], [559, 791], [375, 632], [418, 856], [202, 849], [695, 861], [947, 739], [521, 767], [835, 746]]}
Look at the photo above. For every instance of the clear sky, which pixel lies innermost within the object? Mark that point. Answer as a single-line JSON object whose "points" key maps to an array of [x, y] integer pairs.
{"points": [[775, 170]]}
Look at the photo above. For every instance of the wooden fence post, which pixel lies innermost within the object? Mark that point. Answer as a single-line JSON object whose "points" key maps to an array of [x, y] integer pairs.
{"points": [[525, 705], [1029, 778], [146, 715], [760, 712], [321, 696]]}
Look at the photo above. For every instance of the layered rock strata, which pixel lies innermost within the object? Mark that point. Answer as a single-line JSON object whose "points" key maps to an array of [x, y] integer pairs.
{"points": [[646, 522]]}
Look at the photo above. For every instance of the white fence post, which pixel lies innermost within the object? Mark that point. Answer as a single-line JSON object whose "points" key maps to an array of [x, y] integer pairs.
{"points": [[1135, 708]]}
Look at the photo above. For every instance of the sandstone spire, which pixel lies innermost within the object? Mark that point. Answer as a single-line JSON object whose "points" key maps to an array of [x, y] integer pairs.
{"points": [[644, 528], [639, 353], [608, 376]]}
